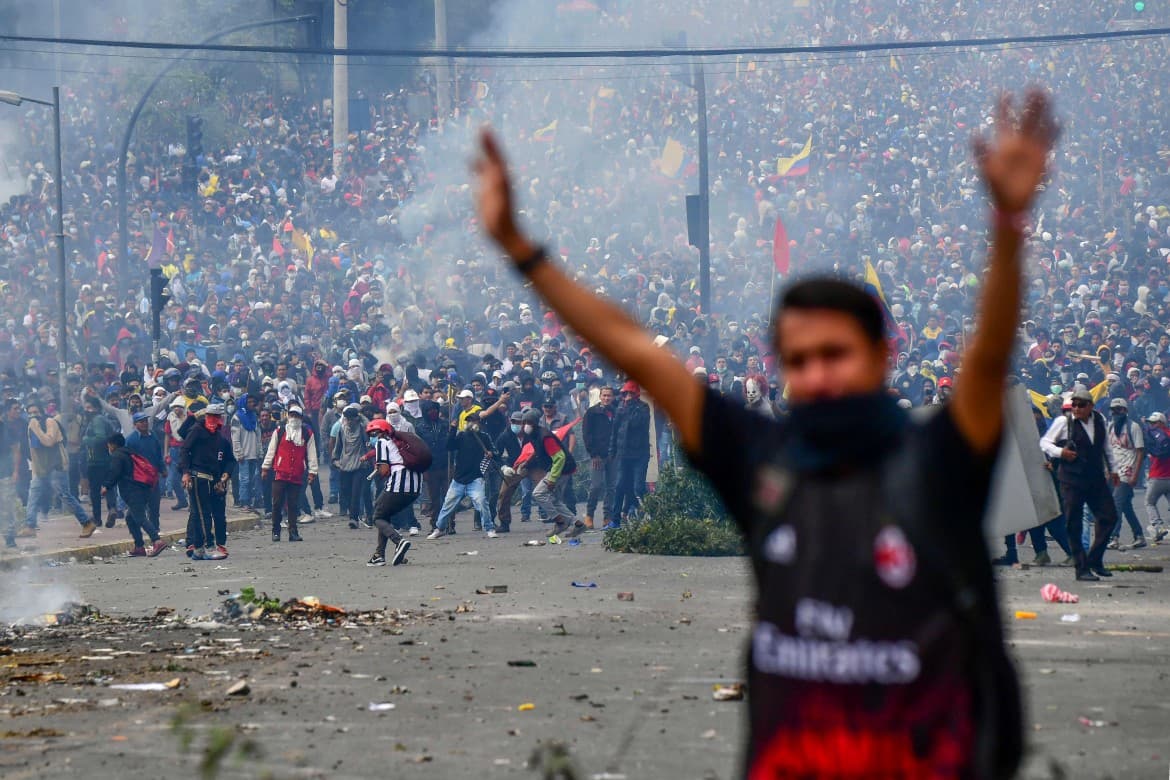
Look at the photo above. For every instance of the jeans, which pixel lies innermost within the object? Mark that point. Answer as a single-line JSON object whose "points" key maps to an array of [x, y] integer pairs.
{"points": [[355, 494], [57, 483], [492, 482], [1155, 489], [602, 481], [475, 490], [1123, 501], [8, 507], [631, 484], [250, 482], [175, 478], [138, 516]]}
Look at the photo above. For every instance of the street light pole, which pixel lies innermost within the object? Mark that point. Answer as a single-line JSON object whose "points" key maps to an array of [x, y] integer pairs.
{"points": [[14, 99]]}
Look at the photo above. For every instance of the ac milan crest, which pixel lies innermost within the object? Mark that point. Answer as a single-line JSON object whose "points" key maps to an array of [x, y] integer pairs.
{"points": [[893, 557]]}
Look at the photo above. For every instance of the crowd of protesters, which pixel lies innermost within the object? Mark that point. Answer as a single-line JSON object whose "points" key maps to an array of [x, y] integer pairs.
{"points": [[366, 293]]}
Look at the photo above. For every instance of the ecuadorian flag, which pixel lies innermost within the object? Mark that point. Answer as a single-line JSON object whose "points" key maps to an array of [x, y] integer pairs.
{"points": [[546, 134], [797, 164], [873, 286], [675, 162]]}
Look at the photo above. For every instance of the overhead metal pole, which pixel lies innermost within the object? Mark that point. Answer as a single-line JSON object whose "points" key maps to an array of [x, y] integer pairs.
{"points": [[340, 85]]}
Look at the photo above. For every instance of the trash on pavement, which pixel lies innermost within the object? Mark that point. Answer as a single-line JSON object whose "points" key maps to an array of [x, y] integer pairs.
{"points": [[1093, 724], [1070, 618], [488, 590], [152, 686], [730, 692], [1022, 615], [239, 688], [1054, 595], [533, 543], [577, 584], [626, 595], [380, 706], [526, 707], [554, 539], [38, 677], [1148, 568], [470, 552], [524, 663], [574, 542]]}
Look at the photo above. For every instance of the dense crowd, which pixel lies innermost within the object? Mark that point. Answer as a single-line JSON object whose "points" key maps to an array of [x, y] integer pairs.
{"points": [[295, 284]]}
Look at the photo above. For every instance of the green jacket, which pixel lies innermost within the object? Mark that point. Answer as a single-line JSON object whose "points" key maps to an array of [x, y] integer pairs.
{"points": [[94, 432]]}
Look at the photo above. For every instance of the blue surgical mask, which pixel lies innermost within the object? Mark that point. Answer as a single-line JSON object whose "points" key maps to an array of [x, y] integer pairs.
{"points": [[515, 429]]}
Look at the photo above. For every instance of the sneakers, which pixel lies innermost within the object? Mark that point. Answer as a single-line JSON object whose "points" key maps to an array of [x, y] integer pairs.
{"points": [[1138, 543], [177, 507], [492, 534], [87, 530], [1041, 559], [217, 553], [1005, 560], [366, 524], [1156, 532], [353, 524], [295, 537], [156, 548], [435, 534], [1087, 576], [414, 530], [1113, 544], [137, 552], [308, 519], [1068, 561], [611, 526], [1101, 571], [276, 535], [194, 553], [376, 560], [322, 514], [111, 519], [400, 552], [27, 532]]}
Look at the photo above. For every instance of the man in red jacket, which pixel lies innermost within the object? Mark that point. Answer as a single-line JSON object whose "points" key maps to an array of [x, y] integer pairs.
{"points": [[292, 459]]}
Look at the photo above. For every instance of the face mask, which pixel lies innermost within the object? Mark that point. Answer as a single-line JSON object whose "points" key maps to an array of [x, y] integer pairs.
{"points": [[1056, 389], [321, 371], [339, 404], [912, 370], [528, 429], [516, 429], [212, 423], [1164, 381]]}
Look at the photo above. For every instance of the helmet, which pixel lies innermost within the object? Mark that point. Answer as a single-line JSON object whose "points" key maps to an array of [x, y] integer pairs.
{"points": [[378, 426], [548, 376], [532, 416]]}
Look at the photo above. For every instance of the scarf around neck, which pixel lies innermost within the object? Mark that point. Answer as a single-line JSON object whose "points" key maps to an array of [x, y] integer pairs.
{"points": [[843, 432]]}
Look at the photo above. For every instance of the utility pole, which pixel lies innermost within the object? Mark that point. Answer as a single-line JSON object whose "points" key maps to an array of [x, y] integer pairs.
{"points": [[704, 195], [340, 84], [443, 70]]}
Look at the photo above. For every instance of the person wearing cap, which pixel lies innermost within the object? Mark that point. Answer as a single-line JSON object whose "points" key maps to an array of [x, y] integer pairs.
{"points": [[384, 389], [143, 442], [411, 406], [291, 459], [1127, 450], [204, 460], [630, 447], [596, 431], [467, 407], [473, 455], [136, 494], [945, 387], [1158, 447], [1079, 442], [348, 456]]}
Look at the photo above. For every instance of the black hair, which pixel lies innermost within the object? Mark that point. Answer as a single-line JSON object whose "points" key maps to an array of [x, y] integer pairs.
{"points": [[826, 292], [117, 439]]}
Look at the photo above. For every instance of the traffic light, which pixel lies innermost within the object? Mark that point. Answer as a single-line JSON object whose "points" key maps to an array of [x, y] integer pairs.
{"points": [[194, 138], [1139, 6], [159, 294]]}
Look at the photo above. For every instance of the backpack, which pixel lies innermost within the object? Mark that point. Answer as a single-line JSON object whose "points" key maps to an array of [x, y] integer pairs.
{"points": [[416, 455], [144, 472], [1157, 443]]}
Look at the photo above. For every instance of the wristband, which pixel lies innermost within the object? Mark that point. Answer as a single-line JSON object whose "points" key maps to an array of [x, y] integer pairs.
{"points": [[1010, 221], [526, 265]]}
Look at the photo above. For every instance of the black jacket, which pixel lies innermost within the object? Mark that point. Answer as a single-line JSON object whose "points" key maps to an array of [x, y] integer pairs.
{"points": [[120, 473], [631, 430], [205, 452], [597, 429], [508, 447], [434, 433], [469, 452]]}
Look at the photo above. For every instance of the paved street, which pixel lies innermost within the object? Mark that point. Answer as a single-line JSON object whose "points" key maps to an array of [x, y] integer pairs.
{"points": [[626, 685]]}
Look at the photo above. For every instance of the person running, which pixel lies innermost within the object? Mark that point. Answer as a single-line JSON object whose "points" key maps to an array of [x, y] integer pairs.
{"points": [[205, 459], [877, 647], [121, 474], [550, 467], [348, 456], [291, 458], [400, 488]]}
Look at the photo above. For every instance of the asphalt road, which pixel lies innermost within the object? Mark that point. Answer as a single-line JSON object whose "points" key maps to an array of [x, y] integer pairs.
{"points": [[625, 685]]}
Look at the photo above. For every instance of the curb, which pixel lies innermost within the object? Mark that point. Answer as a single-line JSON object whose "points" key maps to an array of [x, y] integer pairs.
{"points": [[112, 549]]}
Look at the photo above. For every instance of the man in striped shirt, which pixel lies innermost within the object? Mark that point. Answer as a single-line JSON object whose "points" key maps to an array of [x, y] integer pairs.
{"points": [[400, 488]]}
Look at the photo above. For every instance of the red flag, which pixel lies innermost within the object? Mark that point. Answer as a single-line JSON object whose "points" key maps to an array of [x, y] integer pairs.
{"points": [[170, 242], [781, 252], [277, 247]]}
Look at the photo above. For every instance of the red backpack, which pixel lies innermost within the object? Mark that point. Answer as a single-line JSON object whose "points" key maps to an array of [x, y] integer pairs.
{"points": [[144, 472], [416, 455]]}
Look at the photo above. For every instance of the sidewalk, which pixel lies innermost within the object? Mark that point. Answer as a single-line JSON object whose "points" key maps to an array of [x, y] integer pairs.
{"points": [[57, 538]]}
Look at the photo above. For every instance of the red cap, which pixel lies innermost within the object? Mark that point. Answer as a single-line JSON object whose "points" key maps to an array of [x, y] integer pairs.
{"points": [[631, 387], [944, 382]]}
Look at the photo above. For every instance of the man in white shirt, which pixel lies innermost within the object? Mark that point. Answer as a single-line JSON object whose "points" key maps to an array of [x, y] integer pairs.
{"points": [[1127, 450], [1079, 442]]}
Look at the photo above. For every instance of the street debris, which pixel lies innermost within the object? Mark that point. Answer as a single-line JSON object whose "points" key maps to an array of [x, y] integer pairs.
{"points": [[577, 584], [1071, 618], [1094, 724], [526, 707], [239, 688], [38, 677], [470, 552], [554, 539], [523, 663], [533, 543], [170, 685], [488, 590], [1148, 568], [625, 596], [1054, 595], [1023, 615], [380, 706], [729, 692]]}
